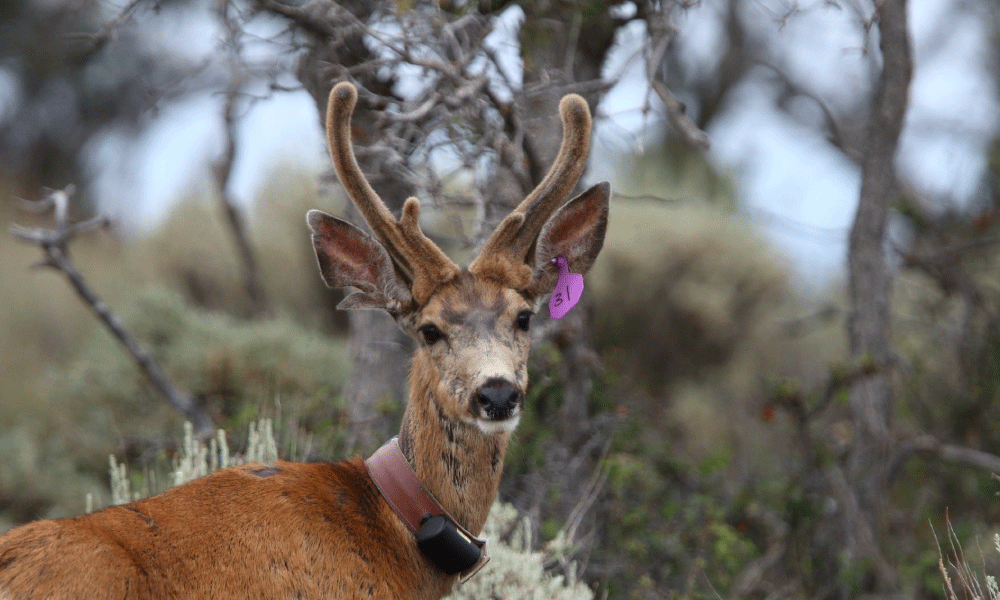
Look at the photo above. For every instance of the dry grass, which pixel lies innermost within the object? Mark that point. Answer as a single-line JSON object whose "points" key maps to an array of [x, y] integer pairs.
{"points": [[960, 581]]}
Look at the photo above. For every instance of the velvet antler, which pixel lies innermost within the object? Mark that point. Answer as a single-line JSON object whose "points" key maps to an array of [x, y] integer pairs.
{"points": [[507, 254], [420, 261]]}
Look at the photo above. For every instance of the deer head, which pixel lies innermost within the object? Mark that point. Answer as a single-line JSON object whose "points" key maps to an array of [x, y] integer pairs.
{"points": [[471, 325]]}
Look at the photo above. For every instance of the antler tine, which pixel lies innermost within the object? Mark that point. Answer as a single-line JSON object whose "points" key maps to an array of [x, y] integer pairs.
{"points": [[508, 246], [416, 255]]}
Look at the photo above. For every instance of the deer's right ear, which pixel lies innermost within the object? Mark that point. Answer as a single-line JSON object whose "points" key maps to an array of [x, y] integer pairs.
{"points": [[348, 257]]}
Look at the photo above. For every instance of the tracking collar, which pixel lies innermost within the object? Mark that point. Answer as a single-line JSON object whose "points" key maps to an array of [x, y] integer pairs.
{"points": [[440, 537]]}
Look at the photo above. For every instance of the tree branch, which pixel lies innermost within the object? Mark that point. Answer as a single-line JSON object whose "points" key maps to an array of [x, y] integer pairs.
{"points": [[751, 577], [678, 119], [54, 244], [110, 30], [661, 31], [864, 535], [223, 170], [928, 444], [306, 20]]}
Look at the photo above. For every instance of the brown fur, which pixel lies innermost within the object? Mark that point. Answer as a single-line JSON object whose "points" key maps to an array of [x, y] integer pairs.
{"points": [[303, 531], [310, 531]]}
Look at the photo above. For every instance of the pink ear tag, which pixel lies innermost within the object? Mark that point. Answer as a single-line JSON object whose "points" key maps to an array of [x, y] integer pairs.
{"points": [[568, 290]]}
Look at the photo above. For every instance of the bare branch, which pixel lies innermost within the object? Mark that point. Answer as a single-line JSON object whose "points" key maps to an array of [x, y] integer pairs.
{"points": [[223, 168], [661, 32], [751, 577], [54, 244], [928, 444], [797, 326], [107, 33], [680, 121], [794, 401], [418, 113], [307, 20], [857, 523]]}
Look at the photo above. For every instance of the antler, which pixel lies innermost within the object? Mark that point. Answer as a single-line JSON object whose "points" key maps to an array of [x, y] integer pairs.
{"points": [[420, 260], [506, 252]]}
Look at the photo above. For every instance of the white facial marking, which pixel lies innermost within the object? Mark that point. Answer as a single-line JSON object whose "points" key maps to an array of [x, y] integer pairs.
{"points": [[490, 426]]}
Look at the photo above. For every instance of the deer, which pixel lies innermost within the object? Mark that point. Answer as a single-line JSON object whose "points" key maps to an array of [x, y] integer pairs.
{"points": [[402, 523]]}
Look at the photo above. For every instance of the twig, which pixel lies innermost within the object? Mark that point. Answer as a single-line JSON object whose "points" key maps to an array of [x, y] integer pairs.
{"points": [[855, 521], [680, 121], [223, 170], [751, 577], [305, 19], [589, 495], [418, 113], [799, 325], [840, 379], [928, 444], [661, 32], [107, 33], [646, 198], [54, 243], [529, 169]]}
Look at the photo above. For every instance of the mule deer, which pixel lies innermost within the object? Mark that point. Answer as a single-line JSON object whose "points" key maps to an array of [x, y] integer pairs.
{"points": [[292, 530]]}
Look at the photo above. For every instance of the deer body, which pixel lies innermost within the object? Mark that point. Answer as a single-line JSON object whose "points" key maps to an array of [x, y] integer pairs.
{"points": [[284, 531], [323, 530]]}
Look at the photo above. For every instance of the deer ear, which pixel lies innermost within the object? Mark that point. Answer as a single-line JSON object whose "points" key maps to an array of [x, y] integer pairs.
{"points": [[575, 231], [349, 257]]}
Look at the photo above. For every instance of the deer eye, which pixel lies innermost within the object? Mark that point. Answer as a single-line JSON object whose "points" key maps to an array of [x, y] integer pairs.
{"points": [[524, 320], [430, 333]]}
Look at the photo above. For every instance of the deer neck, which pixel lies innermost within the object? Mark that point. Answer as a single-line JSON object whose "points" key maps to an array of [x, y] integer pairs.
{"points": [[457, 462]]}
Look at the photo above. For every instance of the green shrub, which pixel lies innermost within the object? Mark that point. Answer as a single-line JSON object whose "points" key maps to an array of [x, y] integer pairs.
{"points": [[240, 370]]}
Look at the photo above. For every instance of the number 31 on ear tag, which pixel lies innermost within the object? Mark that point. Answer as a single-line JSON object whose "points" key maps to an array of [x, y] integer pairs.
{"points": [[568, 290]]}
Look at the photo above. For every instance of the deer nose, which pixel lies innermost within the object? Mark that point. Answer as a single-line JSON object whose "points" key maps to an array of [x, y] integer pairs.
{"points": [[498, 399]]}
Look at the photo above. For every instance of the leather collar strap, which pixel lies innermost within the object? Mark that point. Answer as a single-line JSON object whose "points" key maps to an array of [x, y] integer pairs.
{"points": [[410, 499]]}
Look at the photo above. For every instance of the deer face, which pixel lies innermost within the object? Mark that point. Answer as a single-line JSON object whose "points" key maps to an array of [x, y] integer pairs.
{"points": [[473, 339], [471, 325]]}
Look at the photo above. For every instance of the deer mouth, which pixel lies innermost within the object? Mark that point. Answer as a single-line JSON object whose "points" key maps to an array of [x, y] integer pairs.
{"points": [[497, 406], [493, 425]]}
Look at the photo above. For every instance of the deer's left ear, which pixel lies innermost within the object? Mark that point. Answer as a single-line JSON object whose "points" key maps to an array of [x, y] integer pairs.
{"points": [[575, 231]]}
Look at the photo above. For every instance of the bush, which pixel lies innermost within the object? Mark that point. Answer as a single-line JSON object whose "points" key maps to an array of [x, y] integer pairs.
{"points": [[239, 370], [517, 572]]}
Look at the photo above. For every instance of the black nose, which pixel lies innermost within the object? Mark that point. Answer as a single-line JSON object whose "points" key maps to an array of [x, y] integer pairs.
{"points": [[498, 399]]}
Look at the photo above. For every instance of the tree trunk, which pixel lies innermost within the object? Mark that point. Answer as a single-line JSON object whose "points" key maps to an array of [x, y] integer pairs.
{"points": [[377, 387], [869, 327], [563, 50]]}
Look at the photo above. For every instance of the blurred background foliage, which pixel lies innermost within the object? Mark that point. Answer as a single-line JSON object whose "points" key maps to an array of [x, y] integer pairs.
{"points": [[718, 410]]}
